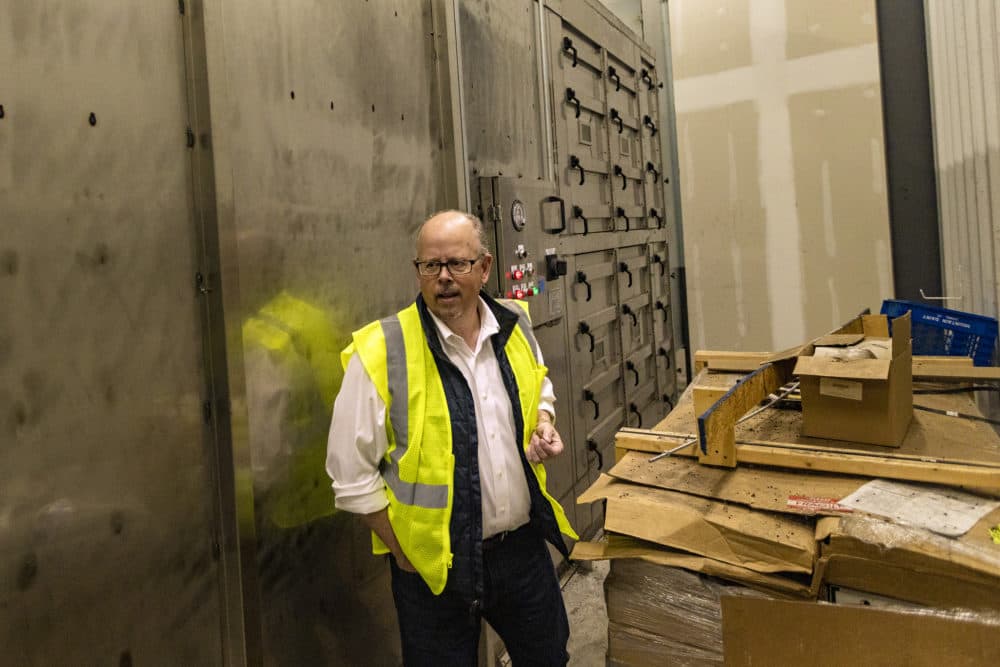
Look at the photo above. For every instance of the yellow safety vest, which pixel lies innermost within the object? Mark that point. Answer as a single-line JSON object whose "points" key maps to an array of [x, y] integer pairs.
{"points": [[419, 465]]}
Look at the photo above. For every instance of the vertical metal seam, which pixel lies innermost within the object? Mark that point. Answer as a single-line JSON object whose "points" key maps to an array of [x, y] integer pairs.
{"points": [[239, 613], [464, 175], [548, 160]]}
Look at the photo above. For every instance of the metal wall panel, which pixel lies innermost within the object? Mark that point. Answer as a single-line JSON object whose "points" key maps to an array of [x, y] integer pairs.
{"points": [[181, 297], [109, 548], [964, 59], [500, 68], [327, 129]]}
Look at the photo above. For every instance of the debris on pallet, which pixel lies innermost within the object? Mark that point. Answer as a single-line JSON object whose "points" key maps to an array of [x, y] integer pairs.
{"points": [[741, 499]]}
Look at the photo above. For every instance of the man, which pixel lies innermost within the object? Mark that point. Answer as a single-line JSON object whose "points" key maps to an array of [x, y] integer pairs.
{"points": [[437, 439]]}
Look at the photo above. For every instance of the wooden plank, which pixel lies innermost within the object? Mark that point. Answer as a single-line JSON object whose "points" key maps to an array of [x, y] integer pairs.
{"points": [[957, 373], [746, 362], [704, 399], [729, 361], [769, 489], [930, 436], [952, 474], [655, 441], [717, 426], [802, 457], [928, 361]]}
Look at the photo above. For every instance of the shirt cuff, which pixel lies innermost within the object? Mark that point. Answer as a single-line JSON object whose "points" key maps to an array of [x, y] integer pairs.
{"points": [[361, 503]]}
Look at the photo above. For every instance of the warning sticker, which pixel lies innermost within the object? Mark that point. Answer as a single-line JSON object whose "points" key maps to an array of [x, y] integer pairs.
{"points": [[811, 504]]}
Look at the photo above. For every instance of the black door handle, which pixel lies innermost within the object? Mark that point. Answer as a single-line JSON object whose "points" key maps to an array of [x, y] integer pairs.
{"points": [[584, 329], [623, 268], [613, 74], [666, 399], [578, 213], [627, 310], [653, 213], [592, 447], [648, 79], [571, 98], [569, 48], [617, 117], [656, 259], [659, 306], [634, 409], [581, 278], [574, 163], [589, 396], [662, 351], [648, 122], [621, 172], [630, 366], [620, 213], [651, 168], [562, 214]]}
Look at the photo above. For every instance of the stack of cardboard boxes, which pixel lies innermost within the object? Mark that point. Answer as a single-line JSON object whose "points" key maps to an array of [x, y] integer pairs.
{"points": [[713, 565]]}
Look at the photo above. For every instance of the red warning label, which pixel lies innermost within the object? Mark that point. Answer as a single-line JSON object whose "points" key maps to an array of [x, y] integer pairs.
{"points": [[812, 504]]}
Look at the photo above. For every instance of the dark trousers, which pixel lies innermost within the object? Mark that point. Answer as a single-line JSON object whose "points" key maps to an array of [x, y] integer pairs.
{"points": [[521, 600]]}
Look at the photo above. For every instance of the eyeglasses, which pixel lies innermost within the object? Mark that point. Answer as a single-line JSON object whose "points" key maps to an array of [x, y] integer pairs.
{"points": [[456, 267]]}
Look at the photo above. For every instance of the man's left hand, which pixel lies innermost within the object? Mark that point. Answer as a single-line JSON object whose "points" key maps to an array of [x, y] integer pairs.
{"points": [[545, 442]]}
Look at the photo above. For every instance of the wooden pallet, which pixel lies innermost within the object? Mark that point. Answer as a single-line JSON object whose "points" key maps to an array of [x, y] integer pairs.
{"points": [[937, 448]]}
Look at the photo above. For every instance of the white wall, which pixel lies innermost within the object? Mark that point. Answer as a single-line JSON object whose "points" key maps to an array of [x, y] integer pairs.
{"points": [[782, 167]]}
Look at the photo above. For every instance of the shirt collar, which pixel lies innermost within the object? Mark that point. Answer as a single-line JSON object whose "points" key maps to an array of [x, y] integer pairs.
{"points": [[488, 325]]}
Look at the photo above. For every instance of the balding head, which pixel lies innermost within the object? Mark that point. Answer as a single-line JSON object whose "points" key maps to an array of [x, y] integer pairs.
{"points": [[454, 296], [454, 220]]}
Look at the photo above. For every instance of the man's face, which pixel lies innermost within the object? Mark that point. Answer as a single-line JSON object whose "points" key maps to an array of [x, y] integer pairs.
{"points": [[453, 298]]}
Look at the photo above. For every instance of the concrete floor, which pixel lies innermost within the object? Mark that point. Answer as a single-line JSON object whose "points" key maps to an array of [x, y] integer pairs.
{"points": [[583, 593]]}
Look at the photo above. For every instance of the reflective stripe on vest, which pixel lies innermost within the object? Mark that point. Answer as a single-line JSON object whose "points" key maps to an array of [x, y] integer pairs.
{"points": [[431, 496], [523, 321]]}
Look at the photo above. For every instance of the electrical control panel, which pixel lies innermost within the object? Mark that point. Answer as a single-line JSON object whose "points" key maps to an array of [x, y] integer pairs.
{"points": [[524, 218]]}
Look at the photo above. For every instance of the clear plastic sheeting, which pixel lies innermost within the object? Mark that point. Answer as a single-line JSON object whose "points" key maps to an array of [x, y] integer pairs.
{"points": [[974, 552], [659, 615]]}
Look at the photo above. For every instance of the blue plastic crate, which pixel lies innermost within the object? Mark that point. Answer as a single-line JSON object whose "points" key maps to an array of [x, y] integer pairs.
{"points": [[941, 331]]}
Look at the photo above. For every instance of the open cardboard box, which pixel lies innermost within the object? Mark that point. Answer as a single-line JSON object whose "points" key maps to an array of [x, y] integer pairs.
{"points": [[860, 400]]}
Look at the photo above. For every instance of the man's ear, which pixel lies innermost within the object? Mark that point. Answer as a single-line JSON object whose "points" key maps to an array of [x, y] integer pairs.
{"points": [[487, 265]]}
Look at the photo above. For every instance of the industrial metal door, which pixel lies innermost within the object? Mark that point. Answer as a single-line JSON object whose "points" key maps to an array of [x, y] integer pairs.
{"points": [[659, 279], [108, 538], [595, 353], [628, 195], [581, 129], [654, 172]]}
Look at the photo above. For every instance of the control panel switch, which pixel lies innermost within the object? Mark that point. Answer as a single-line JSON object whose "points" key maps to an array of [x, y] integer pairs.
{"points": [[554, 267]]}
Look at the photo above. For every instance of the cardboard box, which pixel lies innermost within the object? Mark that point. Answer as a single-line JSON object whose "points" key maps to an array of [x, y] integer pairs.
{"points": [[859, 400], [911, 564], [781, 632]]}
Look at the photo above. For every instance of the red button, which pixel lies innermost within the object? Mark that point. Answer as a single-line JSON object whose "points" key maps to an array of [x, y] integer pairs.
{"points": [[518, 294], [510, 295], [518, 274], [507, 274]]}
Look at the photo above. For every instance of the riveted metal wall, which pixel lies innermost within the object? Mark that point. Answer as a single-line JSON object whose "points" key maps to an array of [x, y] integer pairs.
{"points": [[200, 201], [326, 126], [964, 57], [110, 543]]}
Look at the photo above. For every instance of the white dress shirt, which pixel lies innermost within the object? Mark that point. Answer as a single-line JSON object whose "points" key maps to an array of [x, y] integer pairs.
{"points": [[358, 440]]}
